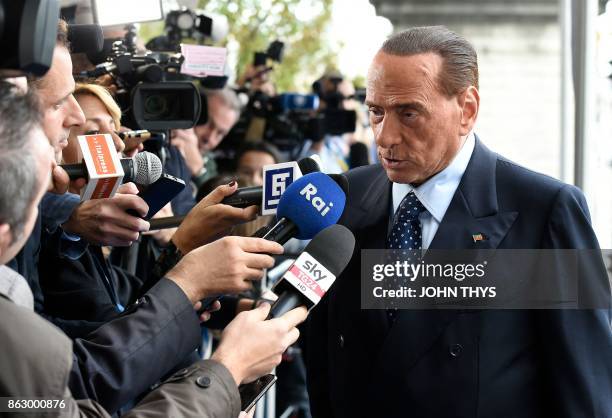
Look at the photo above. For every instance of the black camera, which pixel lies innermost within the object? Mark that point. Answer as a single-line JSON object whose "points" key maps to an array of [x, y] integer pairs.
{"points": [[186, 24], [166, 105], [28, 29], [274, 52], [152, 92]]}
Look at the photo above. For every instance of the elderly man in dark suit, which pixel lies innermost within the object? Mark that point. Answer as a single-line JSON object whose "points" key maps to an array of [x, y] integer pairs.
{"points": [[438, 183]]}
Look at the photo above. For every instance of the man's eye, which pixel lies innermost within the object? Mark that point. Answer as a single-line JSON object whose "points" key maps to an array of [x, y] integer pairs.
{"points": [[375, 112]]}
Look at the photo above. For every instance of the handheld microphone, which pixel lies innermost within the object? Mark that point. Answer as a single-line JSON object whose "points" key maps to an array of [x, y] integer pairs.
{"points": [[309, 205], [248, 196], [165, 223], [359, 155], [314, 271], [174, 221], [144, 169]]}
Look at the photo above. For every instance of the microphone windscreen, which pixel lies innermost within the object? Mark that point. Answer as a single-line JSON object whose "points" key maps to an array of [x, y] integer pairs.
{"points": [[85, 38], [312, 202], [341, 181], [148, 168], [333, 247], [359, 155], [308, 165]]}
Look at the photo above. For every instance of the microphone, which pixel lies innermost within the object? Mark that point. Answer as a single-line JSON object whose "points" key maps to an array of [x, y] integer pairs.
{"points": [[314, 271], [174, 221], [309, 205], [248, 196], [144, 169], [85, 38], [359, 155], [165, 223]]}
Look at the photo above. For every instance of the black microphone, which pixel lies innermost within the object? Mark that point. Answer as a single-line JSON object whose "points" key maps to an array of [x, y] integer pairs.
{"points": [[85, 38], [249, 196], [314, 271], [359, 155], [165, 223], [144, 169]]}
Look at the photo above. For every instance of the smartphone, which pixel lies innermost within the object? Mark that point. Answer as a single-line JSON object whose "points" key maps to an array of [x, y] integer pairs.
{"points": [[207, 302], [158, 194], [250, 393]]}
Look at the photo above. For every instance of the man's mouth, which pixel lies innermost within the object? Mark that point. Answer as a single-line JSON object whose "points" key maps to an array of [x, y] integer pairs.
{"points": [[391, 162]]}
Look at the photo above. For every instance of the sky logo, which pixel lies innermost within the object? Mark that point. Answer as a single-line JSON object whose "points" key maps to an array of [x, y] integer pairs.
{"points": [[277, 177]]}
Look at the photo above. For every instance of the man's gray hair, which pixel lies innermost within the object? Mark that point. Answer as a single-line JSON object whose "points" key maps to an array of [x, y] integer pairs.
{"points": [[227, 96], [19, 116], [460, 67]]}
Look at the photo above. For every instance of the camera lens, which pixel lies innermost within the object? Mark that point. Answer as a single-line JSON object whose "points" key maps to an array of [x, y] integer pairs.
{"points": [[156, 106]]}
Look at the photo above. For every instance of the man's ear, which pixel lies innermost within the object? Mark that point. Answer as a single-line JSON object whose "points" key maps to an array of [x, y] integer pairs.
{"points": [[6, 238], [470, 103]]}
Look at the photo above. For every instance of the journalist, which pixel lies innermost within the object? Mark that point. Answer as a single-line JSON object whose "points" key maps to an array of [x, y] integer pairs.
{"points": [[37, 361], [197, 144]]}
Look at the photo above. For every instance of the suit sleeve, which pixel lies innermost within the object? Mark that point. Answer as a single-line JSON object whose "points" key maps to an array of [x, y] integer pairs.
{"points": [[123, 358], [577, 343], [206, 389]]}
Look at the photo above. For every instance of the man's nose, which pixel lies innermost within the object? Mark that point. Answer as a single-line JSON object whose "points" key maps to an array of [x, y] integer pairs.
{"points": [[74, 114], [388, 132]]}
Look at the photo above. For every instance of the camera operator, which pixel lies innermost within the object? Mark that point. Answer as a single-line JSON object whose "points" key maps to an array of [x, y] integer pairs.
{"points": [[36, 360], [333, 91], [197, 144]]}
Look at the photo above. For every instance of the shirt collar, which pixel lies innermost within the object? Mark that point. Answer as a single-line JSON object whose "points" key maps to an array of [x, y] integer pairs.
{"points": [[437, 192]]}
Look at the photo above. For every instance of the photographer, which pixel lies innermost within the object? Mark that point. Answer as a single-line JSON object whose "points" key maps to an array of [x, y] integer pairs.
{"points": [[35, 359], [197, 144]]}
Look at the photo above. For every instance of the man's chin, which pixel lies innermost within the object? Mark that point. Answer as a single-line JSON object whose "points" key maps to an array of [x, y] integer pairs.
{"points": [[401, 176]]}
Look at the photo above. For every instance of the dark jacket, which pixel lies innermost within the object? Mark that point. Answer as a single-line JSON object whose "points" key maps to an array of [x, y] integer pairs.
{"points": [[470, 363], [36, 360]]}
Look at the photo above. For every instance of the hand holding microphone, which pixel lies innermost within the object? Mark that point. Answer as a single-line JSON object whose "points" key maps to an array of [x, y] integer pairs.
{"points": [[144, 169], [252, 346], [105, 221], [210, 219], [226, 266]]}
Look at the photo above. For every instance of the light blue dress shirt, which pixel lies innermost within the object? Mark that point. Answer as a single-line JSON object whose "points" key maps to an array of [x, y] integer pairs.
{"points": [[437, 192]]}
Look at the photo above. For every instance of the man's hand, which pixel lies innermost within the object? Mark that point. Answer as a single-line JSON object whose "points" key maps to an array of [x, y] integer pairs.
{"points": [[251, 346], [224, 266], [186, 141], [205, 316], [105, 221], [210, 219]]}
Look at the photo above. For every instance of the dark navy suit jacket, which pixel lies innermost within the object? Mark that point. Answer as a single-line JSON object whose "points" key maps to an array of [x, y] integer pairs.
{"points": [[463, 363]]}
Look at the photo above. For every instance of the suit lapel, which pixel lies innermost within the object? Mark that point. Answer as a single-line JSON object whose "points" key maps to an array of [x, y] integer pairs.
{"points": [[372, 226], [474, 210]]}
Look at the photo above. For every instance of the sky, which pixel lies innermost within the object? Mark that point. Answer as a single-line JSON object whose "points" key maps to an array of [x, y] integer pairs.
{"points": [[355, 24]]}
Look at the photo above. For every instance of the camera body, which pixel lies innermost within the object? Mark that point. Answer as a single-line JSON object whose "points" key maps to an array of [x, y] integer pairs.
{"points": [[28, 29], [152, 92]]}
